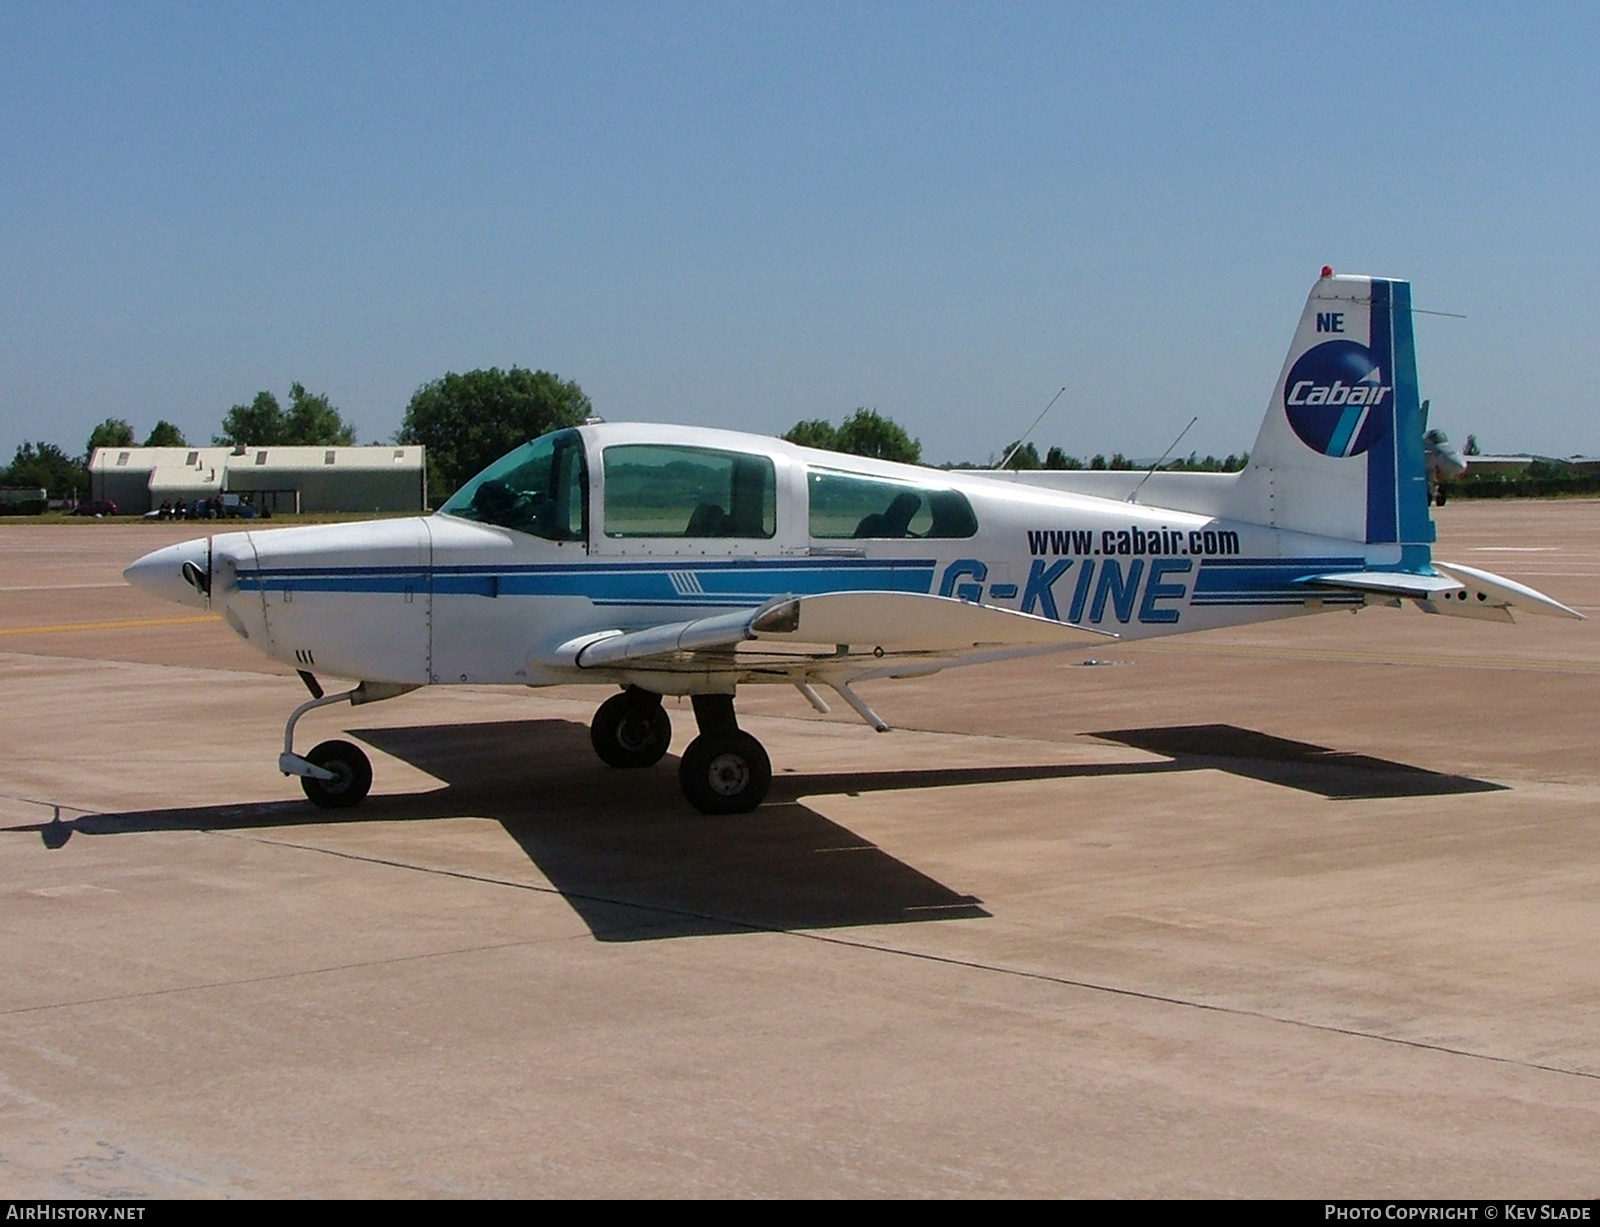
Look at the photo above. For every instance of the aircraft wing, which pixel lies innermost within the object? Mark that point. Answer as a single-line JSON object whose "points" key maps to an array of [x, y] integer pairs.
{"points": [[854, 633]]}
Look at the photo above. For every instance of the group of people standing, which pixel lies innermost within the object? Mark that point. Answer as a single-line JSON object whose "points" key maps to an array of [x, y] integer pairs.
{"points": [[206, 509]]}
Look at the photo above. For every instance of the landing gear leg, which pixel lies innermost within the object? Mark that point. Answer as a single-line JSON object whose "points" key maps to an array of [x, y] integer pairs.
{"points": [[335, 774], [724, 770], [631, 729]]}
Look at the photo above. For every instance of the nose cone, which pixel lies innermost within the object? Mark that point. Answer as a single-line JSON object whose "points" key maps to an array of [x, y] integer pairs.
{"points": [[180, 573]]}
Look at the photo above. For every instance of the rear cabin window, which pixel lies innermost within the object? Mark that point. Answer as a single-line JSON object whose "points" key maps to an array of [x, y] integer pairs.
{"points": [[851, 506], [656, 491]]}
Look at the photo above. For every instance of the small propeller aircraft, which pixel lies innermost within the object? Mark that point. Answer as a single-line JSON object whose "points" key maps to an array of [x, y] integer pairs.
{"points": [[678, 561], [1444, 463]]}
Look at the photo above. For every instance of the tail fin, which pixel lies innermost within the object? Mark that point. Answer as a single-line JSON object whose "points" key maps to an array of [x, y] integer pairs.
{"points": [[1341, 452]]}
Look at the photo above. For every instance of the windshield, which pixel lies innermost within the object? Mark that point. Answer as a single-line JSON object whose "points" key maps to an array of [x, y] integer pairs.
{"points": [[542, 488]]}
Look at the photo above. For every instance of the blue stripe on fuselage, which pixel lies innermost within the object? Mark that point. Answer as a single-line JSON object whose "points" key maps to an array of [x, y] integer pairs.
{"points": [[1264, 581], [744, 583], [738, 582]]}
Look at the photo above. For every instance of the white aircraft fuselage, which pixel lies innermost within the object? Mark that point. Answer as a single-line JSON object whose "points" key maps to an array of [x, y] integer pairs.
{"points": [[440, 599]]}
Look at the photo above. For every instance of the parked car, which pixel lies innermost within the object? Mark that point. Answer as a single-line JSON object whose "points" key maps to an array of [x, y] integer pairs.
{"points": [[96, 507]]}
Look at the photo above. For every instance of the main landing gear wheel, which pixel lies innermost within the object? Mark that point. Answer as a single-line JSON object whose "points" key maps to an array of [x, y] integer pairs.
{"points": [[631, 729], [725, 772], [352, 775]]}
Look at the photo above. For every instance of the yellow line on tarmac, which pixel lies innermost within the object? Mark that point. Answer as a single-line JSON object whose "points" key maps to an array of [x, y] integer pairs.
{"points": [[123, 625]]}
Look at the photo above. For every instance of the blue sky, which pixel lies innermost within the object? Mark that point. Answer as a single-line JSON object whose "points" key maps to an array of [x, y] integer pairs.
{"points": [[743, 215]]}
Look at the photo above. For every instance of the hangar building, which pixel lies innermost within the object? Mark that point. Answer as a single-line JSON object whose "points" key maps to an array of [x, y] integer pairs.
{"points": [[271, 479]]}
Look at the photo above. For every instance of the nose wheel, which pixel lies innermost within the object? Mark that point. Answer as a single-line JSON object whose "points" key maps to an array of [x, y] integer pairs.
{"points": [[350, 771]]}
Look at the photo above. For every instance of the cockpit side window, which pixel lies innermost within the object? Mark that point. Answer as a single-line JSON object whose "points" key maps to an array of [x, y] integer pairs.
{"points": [[542, 488], [852, 505], [655, 490]]}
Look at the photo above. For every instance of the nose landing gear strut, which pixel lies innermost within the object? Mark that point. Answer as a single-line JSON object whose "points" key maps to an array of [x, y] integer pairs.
{"points": [[333, 774]]}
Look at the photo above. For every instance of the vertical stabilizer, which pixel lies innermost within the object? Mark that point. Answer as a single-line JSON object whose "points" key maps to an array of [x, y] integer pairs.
{"points": [[1340, 453]]}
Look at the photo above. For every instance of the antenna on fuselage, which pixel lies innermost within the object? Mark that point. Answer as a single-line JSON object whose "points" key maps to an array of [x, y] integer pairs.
{"points": [[1017, 446], [1134, 497]]}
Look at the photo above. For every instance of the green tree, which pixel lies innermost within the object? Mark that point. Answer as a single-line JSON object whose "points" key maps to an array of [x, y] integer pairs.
{"points": [[817, 432], [45, 464], [1471, 449], [866, 432], [258, 424], [1025, 457], [1055, 458], [469, 421], [1193, 464], [313, 422], [165, 434], [113, 432]]}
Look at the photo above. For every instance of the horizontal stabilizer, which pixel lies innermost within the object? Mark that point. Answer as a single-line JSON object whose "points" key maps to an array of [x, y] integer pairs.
{"points": [[1497, 590], [1457, 590], [1386, 583]]}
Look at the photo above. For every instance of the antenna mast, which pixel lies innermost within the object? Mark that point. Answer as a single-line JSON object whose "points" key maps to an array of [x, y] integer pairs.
{"points": [[1134, 497], [1017, 446]]}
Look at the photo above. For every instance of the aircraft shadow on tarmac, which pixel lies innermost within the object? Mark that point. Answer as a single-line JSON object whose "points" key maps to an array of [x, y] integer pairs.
{"points": [[630, 857], [1335, 774]]}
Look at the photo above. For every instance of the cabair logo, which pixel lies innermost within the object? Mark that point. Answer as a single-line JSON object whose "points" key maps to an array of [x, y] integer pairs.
{"points": [[1336, 399]]}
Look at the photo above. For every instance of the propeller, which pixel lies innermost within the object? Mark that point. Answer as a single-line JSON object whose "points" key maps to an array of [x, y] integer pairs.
{"points": [[197, 579], [181, 573]]}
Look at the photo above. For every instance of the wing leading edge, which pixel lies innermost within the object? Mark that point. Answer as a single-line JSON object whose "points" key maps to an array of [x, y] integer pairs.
{"points": [[829, 627], [834, 638]]}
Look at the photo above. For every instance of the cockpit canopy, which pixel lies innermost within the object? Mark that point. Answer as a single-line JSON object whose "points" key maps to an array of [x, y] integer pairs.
{"points": [[542, 488], [685, 490]]}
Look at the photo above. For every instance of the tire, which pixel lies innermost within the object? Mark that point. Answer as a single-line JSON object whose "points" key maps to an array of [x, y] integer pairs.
{"points": [[630, 731], [352, 775], [725, 773]]}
